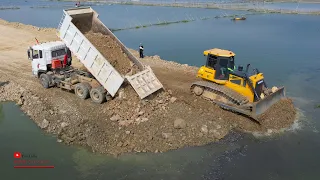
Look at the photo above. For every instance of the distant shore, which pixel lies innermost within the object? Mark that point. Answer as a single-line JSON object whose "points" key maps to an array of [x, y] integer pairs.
{"points": [[226, 6]]}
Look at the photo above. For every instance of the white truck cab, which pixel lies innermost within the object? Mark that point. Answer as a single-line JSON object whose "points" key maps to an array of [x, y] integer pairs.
{"points": [[42, 55]]}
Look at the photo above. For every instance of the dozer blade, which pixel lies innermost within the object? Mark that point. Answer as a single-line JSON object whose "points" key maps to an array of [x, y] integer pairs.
{"points": [[264, 104]]}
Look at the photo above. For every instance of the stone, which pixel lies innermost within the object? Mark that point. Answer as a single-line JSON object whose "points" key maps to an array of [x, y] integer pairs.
{"points": [[179, 123], [140, 113], [218, 127], [173, 99], [119, 144], [125, 122], [127, 132], [270, 131], [274, 89], [204, 129], [144, 119], [59, 140], [115, 118], [138, 119], [64, 124], [44, 124], [20, 102], [166, 135], [121, 94], [51, 112]]}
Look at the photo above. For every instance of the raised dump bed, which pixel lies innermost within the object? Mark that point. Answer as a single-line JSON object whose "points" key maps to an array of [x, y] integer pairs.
{"points": [[103, 54]]}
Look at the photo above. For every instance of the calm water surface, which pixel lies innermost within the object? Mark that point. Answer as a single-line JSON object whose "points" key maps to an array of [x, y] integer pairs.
{"points": [[284, 47]]}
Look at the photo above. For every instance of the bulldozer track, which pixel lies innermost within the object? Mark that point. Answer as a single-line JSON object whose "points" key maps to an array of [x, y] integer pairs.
{"points": [[234, 98]]}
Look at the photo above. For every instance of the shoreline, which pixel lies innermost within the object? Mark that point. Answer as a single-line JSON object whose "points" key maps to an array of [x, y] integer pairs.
{"points": [[230, 6], [168, 120]]}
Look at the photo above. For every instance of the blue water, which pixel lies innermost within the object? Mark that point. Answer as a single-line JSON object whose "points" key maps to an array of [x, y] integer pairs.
{"points": [[283, 47], [130, 16]]}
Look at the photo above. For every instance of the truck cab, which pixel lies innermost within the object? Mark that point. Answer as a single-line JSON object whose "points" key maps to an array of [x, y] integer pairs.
{"points": [[42, 55]]}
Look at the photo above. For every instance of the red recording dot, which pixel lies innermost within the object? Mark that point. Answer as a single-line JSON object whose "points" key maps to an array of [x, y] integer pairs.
{"points": [[17, 155]]}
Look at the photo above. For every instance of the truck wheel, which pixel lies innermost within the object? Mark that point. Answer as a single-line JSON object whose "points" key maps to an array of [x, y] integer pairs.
{"points": [[98, 95], [45, 80], [82, 91]]}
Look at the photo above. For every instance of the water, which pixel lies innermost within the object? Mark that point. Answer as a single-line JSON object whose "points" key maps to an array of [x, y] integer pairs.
{"points": [[284, 47], [130, 16]]}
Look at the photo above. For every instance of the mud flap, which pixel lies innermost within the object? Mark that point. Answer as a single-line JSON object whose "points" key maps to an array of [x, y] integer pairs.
{"points": [[145, 82], [264, 104]]}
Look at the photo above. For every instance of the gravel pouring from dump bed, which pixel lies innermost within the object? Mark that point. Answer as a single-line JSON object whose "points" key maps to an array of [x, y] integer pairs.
{"points": [[112, 51]]}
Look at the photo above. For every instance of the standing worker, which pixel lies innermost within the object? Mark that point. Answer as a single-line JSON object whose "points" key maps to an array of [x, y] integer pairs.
{"points": [[141, 50]]}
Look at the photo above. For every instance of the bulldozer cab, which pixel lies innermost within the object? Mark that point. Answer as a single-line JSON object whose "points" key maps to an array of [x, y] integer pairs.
{"points": [[222, 61]]}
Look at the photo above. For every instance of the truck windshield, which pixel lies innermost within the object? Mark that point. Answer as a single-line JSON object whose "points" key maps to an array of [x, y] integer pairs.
{"points": [[57, 53]]}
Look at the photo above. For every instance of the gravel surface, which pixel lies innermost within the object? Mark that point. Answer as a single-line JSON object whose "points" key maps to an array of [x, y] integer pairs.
{"points": [[169, 119]]}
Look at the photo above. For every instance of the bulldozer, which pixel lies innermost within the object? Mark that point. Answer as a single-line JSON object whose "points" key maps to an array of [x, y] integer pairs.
{"points": [[234, 89]]}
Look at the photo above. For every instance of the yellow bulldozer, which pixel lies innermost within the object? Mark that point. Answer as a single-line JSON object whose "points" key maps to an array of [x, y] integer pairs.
{"points": [[232, 88]]}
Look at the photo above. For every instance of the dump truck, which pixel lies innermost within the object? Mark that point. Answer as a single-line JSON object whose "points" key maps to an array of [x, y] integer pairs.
{"points": [[51, 61], [234, 88]]}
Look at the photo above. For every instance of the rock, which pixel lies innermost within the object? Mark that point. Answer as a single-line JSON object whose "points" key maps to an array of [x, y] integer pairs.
{"points": [[140, 113], [44, 124], [170, 92], [179, 123], [59, 140], [108, 98], [121, 94], [119, 144], [51, 112], [173, 99], [115, 118], [64, 124], [144, 119], [125, 122], [63, 111], [160, 101], [274, 89], [156, 151], [130, 73], [204, 129], [166, 135], [127, 132], [218, 127], [138, 119], [270, 131], [20, 102]]}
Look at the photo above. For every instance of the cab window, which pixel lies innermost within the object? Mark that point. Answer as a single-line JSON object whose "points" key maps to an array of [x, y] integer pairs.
{"points": [[35, 54], [57, 53], [211, 61]]}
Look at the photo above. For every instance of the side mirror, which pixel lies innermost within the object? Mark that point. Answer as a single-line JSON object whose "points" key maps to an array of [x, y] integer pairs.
{"points": [[29, 55]]}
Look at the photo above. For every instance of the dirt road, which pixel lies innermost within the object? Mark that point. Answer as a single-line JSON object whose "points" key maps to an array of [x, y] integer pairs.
{"points": [[168, 120]]}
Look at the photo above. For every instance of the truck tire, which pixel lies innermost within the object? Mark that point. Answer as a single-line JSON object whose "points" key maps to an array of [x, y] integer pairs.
{"points": [[82, 90], [98, 95], [45, 80]]}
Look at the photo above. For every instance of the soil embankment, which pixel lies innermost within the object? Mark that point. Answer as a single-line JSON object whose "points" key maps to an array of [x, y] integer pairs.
{"points": [[169, 119]]}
